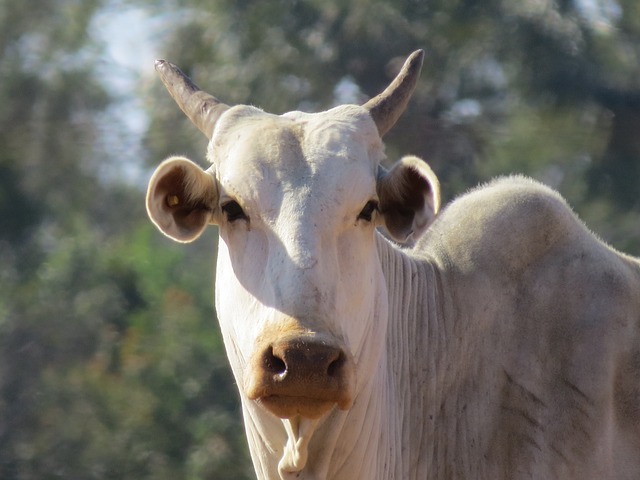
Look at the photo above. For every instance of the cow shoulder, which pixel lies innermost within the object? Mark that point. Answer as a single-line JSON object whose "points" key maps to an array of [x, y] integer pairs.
{"points": [[558, 310], [520, 232], [507, 223], [515, 250]]}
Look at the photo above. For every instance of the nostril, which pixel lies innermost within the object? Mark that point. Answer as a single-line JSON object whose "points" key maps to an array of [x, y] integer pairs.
{"points": [[335, 366], [273, 364]]}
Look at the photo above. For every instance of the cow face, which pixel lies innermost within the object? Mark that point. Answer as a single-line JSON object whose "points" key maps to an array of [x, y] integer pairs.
{"points": [[300, 294], [294, 251]]}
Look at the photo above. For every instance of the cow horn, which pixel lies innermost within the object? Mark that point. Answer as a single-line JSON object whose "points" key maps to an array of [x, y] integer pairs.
{"points": [[201, 108], [387, 107]]}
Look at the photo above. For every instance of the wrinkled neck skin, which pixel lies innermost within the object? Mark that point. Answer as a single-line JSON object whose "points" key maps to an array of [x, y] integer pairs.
{"points": [[338, 446], [373, 439]]}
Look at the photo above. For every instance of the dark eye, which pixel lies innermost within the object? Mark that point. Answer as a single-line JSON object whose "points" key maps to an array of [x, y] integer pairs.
{"points": [[368, 210], [233, 211]]}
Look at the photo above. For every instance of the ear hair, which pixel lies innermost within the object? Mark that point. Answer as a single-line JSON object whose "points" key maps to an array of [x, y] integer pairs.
{"points": [[409, 198], [181, 198], [398, 183]]}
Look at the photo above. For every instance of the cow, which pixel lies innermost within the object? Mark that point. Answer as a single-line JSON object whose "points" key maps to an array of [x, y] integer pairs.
{"points": [[373, 336]]}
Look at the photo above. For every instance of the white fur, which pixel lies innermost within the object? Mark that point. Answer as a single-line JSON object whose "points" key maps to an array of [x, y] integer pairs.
{"points": [[504, 345]]}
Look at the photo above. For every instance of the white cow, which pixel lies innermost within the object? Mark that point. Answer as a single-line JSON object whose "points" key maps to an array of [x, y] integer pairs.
{"points": [[504, 345]]}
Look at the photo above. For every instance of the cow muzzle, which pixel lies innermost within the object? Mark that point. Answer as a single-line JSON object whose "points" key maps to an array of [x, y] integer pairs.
{"points": [[301, 376]]}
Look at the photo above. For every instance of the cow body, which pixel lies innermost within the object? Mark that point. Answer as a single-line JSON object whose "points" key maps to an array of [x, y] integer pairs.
{"points": [[504, 344], [519, 342]]}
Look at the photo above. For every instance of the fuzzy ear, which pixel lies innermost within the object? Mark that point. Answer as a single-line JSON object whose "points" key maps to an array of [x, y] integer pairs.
{"points": [[409, 196], [181, 199]]}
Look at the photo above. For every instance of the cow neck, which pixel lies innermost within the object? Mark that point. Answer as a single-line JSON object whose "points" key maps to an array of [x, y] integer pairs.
{"points": [[416, 343], [389, 432], [344, 445]]}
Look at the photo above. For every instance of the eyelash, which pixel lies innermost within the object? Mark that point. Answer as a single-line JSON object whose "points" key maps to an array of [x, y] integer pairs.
{"points": [[368, 210], [233, 211]]}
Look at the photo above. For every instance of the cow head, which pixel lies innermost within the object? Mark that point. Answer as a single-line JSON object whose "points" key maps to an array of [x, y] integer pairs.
{"points": [[300, 294]]}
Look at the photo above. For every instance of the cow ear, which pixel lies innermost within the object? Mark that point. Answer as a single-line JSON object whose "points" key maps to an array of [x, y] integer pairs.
{"points": [[181, 199], [409, 196]]}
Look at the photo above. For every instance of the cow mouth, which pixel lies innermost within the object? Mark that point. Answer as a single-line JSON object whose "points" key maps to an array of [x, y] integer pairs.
{"points": [[287, 407]]}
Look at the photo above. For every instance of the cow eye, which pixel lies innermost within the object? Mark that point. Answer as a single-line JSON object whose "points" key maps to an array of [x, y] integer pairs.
{"points": [[233, 211], [368, 211]]}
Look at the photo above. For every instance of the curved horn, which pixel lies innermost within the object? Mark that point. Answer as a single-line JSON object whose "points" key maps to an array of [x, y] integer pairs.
{"points": [[387, 107], [201, 108]]}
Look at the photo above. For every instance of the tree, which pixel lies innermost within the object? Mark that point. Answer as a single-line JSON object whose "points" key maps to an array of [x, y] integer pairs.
{"points": [[108, 367], [48, 103]]}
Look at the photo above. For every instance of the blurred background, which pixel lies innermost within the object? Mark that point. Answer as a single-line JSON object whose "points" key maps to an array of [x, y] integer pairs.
{"points": [[111, 362]]}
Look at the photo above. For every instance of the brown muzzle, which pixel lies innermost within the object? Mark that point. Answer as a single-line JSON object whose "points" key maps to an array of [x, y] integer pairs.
{"points": [[301, 376]]}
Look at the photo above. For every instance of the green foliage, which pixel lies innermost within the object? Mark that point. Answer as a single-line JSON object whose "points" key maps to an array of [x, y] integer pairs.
{"points": [[117, 370], [110, 362], [111, 365]]}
